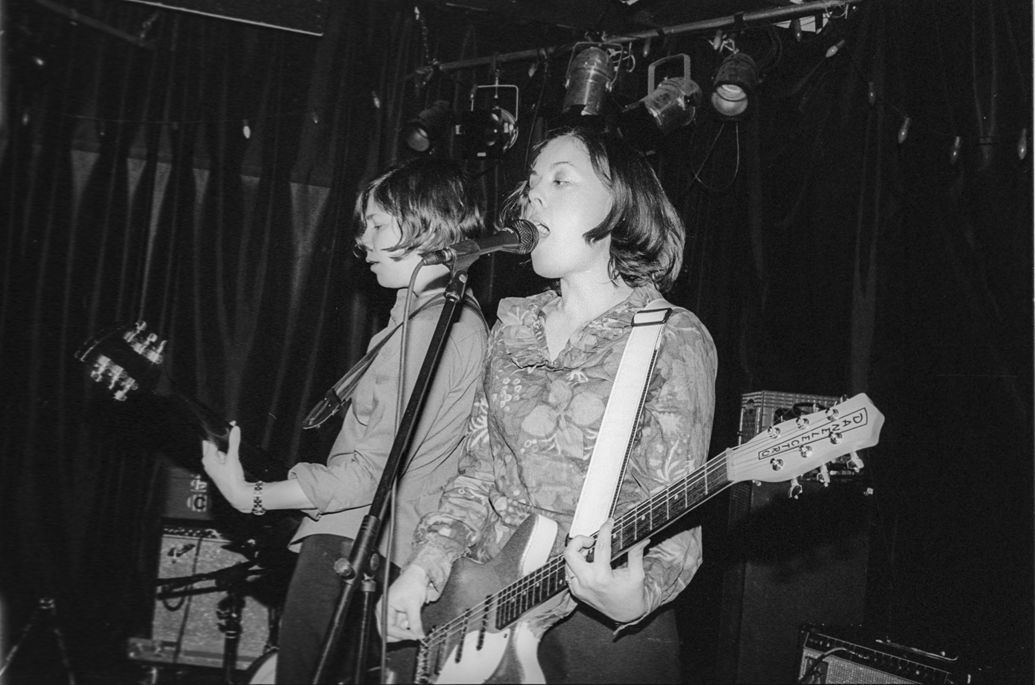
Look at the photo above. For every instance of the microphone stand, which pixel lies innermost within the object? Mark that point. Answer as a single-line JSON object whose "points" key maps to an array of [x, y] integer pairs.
{"points": [[359, 561]]}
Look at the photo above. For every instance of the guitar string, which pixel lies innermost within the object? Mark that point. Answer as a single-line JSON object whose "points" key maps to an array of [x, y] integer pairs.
{"points": [[625, 523], [551, 569]]}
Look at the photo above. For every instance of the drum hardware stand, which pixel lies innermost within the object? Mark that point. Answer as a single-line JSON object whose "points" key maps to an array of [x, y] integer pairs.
{"points": [[46, 609], [359, 564]]}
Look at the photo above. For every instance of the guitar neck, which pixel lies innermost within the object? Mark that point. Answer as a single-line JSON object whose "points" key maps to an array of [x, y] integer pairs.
{"points": [[128, 358], [257, 463], [781, 453], [640, 522], [657, 512]]}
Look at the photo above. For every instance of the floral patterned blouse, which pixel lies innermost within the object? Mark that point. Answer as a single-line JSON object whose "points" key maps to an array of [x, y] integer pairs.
{"points": [[533, 428]]}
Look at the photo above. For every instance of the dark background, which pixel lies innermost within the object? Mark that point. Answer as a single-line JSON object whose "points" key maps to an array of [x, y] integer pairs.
{"points": [[199, 172]]}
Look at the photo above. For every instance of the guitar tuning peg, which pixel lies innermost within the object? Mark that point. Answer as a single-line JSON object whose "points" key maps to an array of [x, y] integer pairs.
{"points": [[118, 376], [795, 489], [824, 475], [127, 386], [144, 346], [154, 354], [100, 369], [132, 334], [854, 462]]}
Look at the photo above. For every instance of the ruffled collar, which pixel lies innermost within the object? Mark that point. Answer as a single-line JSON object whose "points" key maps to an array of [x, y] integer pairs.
{"points": [[523, 332]]}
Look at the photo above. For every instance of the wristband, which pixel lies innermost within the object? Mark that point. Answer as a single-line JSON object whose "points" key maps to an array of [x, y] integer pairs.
{"points": [[257, 508]]}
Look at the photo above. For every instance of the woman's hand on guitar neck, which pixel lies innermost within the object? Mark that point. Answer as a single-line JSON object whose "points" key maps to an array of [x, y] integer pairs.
{"points": [[619, 593], [225, 470]]}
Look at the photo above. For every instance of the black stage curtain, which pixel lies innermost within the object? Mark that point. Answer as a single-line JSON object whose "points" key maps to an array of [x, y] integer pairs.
{"points": [[200, 174]]}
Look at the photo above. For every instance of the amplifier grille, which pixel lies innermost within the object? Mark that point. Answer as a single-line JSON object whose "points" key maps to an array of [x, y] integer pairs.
{"points": [[186, 625], [845, 655], [765, 408]]}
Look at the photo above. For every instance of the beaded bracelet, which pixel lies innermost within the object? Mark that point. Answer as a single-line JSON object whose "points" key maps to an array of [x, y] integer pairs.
{"points": [[257, 508]]}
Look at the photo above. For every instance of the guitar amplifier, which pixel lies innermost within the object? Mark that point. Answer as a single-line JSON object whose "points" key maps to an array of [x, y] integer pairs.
{"points": [[849, 655], [787, 562], [187, 623], [765, 408], [187, 495]]}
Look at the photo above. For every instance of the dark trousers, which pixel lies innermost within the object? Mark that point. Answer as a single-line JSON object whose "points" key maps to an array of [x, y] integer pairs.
{"points": [[312, 597], [582, 649]]}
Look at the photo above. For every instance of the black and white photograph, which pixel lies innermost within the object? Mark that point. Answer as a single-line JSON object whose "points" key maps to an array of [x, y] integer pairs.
{"points": [[366, 342]]}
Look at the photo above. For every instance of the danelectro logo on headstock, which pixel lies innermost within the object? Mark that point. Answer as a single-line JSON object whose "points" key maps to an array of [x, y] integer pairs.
{"points": [[833, 431]]}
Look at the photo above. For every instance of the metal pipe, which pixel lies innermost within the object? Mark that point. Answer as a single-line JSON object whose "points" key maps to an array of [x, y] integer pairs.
{"points": [[77, 17], [707, 25]]}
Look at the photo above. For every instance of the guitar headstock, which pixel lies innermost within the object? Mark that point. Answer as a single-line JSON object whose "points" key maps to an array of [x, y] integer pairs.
{"points": [[125, 358], [797, 446]]}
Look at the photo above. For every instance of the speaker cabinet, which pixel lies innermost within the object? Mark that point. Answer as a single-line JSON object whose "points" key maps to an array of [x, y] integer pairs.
{"points": [[765, 408], [840, 654], [187, 494], [197, 571], [787, 561]]}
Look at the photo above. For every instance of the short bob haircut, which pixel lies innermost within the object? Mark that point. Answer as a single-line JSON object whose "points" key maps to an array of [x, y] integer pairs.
{"points": [[434, 202], [647, 235]]}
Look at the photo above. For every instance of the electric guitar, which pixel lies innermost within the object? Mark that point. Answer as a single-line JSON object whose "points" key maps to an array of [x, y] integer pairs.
{"points": [[127, 358], [483, 620]]}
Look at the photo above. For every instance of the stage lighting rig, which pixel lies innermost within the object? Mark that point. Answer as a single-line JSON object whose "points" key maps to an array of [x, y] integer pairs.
{"points": [[590, 76], [734, 83], [490, 128], [425, 130], [668, 105]]}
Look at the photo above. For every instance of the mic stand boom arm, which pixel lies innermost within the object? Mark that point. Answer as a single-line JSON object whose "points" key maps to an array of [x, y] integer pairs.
{"points": [[359, 562]]}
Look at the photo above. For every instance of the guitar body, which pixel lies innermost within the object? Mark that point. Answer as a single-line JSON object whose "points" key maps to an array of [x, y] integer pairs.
{"points": [[478, 652], [496, 637]]}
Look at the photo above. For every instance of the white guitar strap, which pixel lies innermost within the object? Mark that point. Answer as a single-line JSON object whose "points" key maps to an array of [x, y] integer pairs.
{"points": [[614, 441]]}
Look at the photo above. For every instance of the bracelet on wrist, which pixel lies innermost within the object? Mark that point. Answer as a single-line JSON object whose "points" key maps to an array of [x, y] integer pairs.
{"points": [[257, 508]]}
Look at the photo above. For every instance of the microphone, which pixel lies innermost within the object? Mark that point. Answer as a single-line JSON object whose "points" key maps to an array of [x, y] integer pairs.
{"points": [[521, 238]]}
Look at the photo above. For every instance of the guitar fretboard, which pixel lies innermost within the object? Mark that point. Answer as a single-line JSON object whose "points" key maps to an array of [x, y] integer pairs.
{"points": [[643, 520], [782, 453]]}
